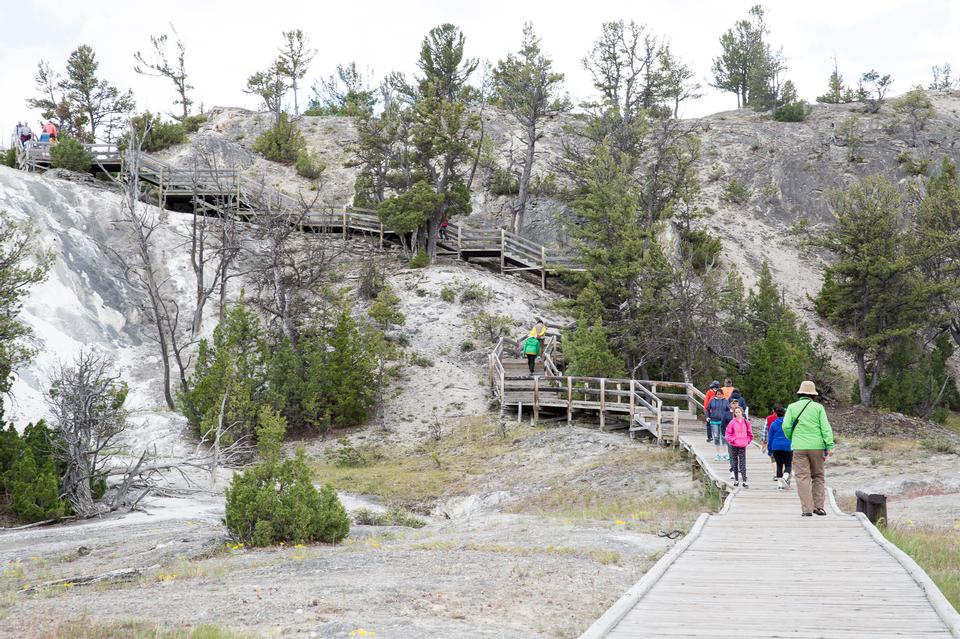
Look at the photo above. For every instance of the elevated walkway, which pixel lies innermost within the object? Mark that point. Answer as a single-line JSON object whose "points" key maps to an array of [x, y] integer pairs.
{"points": [[226, 192]]}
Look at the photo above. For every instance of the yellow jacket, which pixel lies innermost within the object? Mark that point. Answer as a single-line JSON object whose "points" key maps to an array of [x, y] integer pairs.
{"points": [[538, 332]]}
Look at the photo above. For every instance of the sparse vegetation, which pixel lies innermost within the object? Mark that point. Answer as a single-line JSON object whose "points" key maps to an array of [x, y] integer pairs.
{"points": [[282, 143], [90, 629], [490, 326], [420, 260], [937, 550], [448, 295], [390, 517], [474, 293], [736, 192], [309, 165]]}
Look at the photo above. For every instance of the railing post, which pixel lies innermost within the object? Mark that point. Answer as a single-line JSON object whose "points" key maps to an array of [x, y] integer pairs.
{"points": [[536, 401], [160, 195], [569, 400], [691, 401], [344, 223], [543, 268], [459, 242], [633, 403], [603, 402], [676, 425], [503, 246], [381, 235]]}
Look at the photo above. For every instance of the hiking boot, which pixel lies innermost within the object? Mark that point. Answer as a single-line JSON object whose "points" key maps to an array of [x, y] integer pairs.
{"points": [[820, 511], [745, 484], [806, 514], [735, 484]]}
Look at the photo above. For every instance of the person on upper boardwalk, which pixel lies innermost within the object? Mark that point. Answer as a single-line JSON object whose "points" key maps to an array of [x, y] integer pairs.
{"points": [[26, 135], [806, 425], [51, 130], [532, 348], [727, 389], [778, 447], [711, 393], [442, 233], [739, 436], [718, 415]]}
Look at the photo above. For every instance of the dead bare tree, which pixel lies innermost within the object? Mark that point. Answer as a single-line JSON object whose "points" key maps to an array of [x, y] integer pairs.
{"points": [[139, 222], [287, 266], [86, 400]]}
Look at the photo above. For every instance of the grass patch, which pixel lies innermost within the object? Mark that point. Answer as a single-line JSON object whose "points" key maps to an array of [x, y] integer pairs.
{"points": [[88, 629], [599, 555], [939, 445], [391, 517], [438, 468], [636, 512], [953, 422], [937, 550]]}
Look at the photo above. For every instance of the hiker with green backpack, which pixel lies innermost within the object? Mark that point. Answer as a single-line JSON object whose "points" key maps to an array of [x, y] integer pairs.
{"points": [[532, 347], [805, 424]]}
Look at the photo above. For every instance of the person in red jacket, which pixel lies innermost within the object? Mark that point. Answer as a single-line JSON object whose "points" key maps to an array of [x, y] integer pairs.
{"points": [[765, 436], [711, 393]]}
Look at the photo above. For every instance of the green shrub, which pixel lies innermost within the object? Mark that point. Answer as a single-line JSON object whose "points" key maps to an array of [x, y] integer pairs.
{"points": [[276, 501], [589, 352], [939, 445], [735, 192], [191, 123], [503, 182], [474, 293], [701, 248], [448, 295], [29, 474], [309, 165], [70, 154], [349, 456], [489, 326], [422, 361], [468, 345], [281, 143], [384, 309], [911, 165], [391, 517], [155, 133], [420, 260], [792, 112], [9, 158]]}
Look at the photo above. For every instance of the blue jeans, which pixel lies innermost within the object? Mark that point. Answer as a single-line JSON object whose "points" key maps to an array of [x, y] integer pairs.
{"points": [[716, 433]]}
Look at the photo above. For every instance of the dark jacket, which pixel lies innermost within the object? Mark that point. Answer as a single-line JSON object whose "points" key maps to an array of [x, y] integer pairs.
{"points": [[719, 410]]}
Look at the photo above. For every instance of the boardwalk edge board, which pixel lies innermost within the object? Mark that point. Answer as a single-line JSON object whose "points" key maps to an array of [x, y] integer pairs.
{"points": [[625, 604]]}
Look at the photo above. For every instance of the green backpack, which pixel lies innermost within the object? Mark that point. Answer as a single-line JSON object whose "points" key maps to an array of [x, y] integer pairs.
{"points": [[531, 346]]}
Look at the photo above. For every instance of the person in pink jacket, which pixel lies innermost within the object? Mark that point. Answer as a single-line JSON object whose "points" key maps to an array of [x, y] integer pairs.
{"points": [[739, 436]]}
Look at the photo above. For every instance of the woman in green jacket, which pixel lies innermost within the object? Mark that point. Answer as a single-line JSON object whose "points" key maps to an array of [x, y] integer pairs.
{"points": [[805, 424]]}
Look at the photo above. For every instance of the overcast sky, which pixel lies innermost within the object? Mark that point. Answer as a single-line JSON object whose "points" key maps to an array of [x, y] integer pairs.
{"points": [[226, 41]]}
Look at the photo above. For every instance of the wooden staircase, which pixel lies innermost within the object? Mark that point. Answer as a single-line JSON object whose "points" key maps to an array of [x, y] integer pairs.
{"points": [[625, 404]]}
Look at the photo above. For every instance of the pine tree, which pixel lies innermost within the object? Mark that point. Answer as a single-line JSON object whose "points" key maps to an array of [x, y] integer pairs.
{"points": [[874, 291], [590, 353], [295, 57], [528, 88], [94, 97]]}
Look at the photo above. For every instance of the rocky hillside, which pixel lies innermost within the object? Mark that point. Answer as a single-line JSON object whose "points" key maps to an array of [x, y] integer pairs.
{"points": [[785, 168]]}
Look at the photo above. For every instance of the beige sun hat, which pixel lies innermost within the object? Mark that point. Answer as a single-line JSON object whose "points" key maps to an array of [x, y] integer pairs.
{"points": [[807, 388]]}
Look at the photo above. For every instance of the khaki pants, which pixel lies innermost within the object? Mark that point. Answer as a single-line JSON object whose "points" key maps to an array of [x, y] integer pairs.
{"points": [[808, 471]]}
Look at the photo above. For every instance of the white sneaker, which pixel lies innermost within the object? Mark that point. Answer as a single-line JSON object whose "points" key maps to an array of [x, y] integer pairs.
{"points": [[731, 475], [786, 479], [781, 485]]}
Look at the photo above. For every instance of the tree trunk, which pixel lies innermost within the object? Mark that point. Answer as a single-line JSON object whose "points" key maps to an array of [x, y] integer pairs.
{"points": [[296, 105], [525, 178]]}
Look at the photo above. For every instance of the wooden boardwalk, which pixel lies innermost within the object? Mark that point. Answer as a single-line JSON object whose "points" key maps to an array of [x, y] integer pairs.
{"points": [[760, 570], [221, 191]]}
